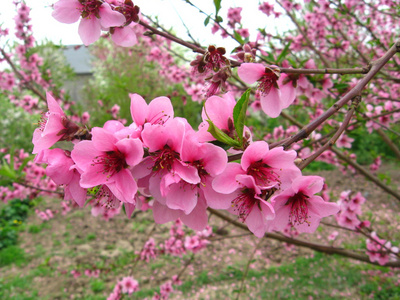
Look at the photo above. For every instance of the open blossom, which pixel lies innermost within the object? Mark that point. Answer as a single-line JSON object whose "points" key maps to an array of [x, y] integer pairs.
{"points": [[380, 250], [299, 206], [129, 285], [94, 15], [277, 91], [53, 127], [107, 159], [61, 169]]}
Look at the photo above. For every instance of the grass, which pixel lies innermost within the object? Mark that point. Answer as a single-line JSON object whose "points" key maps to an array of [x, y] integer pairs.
{"points": [[12, 255]]}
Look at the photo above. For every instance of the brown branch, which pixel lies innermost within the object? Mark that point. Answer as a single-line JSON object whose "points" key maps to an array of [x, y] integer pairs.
{"points": [[305, 244], [389, 142], [19, 75], [333, 140], [366, 173], [376, 66]]}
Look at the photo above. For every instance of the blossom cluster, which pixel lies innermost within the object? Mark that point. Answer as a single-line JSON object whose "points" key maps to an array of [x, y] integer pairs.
{"points": [[116, 17], [163, 157]]}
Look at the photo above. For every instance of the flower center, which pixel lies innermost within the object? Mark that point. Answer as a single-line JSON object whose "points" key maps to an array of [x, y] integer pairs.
{"points": [[106, 198], [90, 8], [112, 162], [264, 175], [243, 204], [299, 209], [268, 80], [164, 159]]}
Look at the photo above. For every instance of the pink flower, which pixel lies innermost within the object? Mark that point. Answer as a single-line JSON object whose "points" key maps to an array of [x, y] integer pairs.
{"points": [[129, 285], [274, 96], [380, 250], [158, 111], [61, 169], [107, 159], [273, 168], [54, 126], [300, 207], [95, 16]]}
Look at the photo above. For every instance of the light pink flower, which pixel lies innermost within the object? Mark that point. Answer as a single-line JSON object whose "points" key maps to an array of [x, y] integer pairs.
{"points": [[300, 207], [158, 111], [129, 285], [95, 16], [277, 92], [54, 125], [61, 169], [107, 159]]}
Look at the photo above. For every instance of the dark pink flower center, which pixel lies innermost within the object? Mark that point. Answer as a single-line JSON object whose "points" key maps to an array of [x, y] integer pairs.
{"points": [[106, 198], [263, 174], [299, 209], [164, 159], [268, 80], [243, 204], [112, 162], [90, 8]]}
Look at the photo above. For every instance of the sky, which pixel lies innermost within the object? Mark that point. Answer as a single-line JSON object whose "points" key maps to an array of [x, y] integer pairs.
{"points": [[170, 13]]}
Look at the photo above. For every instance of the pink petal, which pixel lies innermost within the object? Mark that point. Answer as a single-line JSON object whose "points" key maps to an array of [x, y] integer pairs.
{"points": [[271, 103], [253, 153], [124, 36], [226, 182], [113, 126], [309, 185], [215, 200], [182, 196], [132, 149], [288, 93], [160, 109], [74, 191], [103, 140], [139, 109], [162, 214], [218, 110], [129, 208], [186, 172], [67, 11], [251, 72], [256, 223], [83, 154], [89, 30], [109, 17], [123, 186], [320, 208], [53, 105], [214, 159], [198, 218]]}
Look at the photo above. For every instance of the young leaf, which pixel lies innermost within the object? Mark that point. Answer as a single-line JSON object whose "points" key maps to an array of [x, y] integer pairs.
{"points": [[284, 52], [239, 114], [221, 136], [217, 4], [207, 20]]}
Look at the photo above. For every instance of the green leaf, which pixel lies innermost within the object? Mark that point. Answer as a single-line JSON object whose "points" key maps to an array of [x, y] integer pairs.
{"points": [[284, 52], [217, 4], [239, 114], [221, 136], [238, 37], [6, 171], [207, 20]]}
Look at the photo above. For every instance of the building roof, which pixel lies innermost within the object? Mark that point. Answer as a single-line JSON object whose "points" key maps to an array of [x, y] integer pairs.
{"points": [[79, 57]]}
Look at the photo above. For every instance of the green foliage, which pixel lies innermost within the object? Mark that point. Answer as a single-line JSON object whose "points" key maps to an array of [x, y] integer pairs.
{"points": [[97, 285], [12, 215], [54, 61], [16, 125], [12, 255]]}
